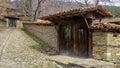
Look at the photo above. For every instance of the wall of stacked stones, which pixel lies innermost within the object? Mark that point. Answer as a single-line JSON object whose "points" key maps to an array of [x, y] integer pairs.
{"points": [[19, 24], [2, 23], [46, 33], [106, 46], [113, 46], [99, 43]]}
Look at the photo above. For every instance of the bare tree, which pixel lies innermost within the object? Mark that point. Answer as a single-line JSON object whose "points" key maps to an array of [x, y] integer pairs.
{"points": [[26, 6], [38, 9], [86, 2]]}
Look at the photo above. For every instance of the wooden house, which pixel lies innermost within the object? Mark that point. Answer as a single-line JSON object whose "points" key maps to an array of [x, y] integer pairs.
{"points": [[75, 37], [12, 21], [9, 17], [69, 32]]}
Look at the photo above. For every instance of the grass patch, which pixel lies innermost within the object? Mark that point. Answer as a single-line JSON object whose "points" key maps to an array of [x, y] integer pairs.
{"points": [[41, 46]]}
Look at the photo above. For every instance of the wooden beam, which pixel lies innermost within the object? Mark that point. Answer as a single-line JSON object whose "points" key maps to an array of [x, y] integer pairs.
{"points": [[86, 23], [101, 13]]}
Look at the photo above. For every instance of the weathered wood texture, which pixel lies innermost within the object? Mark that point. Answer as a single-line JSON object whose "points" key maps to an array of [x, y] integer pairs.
{"points": [[74, 38]]}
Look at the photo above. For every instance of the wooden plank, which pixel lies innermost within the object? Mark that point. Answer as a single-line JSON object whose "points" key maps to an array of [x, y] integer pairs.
{"points": [[90, 43], [74, 39]]}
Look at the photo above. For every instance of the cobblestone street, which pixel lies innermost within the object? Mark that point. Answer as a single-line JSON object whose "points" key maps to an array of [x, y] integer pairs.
{"points": [[16, 51]]}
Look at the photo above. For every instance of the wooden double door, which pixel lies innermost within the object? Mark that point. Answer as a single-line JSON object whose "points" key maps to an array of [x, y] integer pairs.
{"points": [[74, 40], [12, 22]]}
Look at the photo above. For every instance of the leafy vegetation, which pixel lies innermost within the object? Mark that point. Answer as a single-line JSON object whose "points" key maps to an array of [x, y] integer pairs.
{"points": [[114, 9]]}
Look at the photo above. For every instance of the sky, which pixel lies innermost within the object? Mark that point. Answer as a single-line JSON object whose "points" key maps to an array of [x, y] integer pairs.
{"points": [[12, 0], [114, 2]]}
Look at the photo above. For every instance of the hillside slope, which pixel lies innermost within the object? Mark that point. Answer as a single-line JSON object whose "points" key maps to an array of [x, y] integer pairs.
{"points": [[114, 9]]}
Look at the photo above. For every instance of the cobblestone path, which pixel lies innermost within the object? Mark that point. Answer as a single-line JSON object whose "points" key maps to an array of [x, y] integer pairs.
{"points": [[16, 51]]}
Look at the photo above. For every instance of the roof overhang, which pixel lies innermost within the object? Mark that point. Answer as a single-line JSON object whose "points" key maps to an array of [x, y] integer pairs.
{"points": [[106, 27], [92, 12]]}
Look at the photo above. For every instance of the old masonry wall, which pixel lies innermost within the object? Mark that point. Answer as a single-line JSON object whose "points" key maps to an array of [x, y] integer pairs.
{"points": [[106, 46]]}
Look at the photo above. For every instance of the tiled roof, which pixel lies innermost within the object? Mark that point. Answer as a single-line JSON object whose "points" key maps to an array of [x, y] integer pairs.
{"points": [[107, 26], [41, 22], [10, 16], [78, 12], [13, 16]]}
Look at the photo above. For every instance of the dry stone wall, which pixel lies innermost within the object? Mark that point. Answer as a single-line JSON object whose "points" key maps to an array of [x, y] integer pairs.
{"points": [[99, 43], [19, 24], [113, 46], [2, 23], [106, 46]]}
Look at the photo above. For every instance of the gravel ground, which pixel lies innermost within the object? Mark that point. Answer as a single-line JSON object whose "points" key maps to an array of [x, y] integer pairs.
{"points": [[16, 51]]}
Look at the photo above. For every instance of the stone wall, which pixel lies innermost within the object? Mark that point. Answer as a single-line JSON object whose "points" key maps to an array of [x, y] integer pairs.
{"points": [[19, 24], [2, 23], [113, 46], [106, 46], [99, 45], [46, 33]]}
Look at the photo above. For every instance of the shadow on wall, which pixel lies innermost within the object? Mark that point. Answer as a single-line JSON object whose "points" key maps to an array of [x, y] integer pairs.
{"points": [[42, 46]]}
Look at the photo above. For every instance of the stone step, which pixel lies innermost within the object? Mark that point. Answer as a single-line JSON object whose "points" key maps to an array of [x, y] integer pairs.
{"points": [[73, 62]]}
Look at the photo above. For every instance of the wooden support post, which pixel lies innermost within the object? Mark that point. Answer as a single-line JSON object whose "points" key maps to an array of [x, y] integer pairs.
{"points": [[89, 38], [86, 23], [74, 39]]}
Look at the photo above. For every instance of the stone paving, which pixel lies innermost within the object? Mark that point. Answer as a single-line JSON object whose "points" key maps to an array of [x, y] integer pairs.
{"points": [[16, 51], [19, 50], [72, 62]]}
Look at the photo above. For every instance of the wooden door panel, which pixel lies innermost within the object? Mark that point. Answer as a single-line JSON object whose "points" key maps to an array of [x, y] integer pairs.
{"points": [[82, 41], [12, 23], [66, 39], [73, 40]]}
